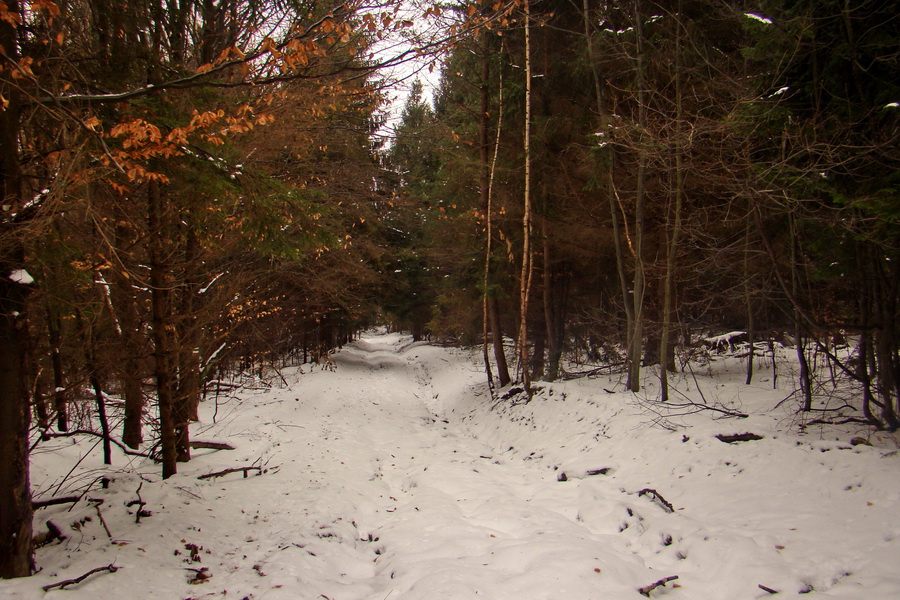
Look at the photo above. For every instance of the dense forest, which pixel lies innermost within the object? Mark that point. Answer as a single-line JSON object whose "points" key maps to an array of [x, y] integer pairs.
{"points": [[197, 190]]}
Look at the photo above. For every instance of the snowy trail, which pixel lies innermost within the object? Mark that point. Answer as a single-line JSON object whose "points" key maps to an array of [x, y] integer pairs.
{"points": [[401, 504], [446, 514]]}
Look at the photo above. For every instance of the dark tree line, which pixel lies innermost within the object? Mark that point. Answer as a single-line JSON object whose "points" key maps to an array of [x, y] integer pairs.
{"points": [[698, 167]]}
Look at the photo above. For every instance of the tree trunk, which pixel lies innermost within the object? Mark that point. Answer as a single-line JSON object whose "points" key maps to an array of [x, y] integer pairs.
{"points": [[637, 333], [805, 379], [527, 266], [16, 546], [88, 342], [187, 398], [132, 342], [503, 378], [885, 344], [865, 341], [15, 493], [60, 396], [486, 209], [667, 364], [161, 325], [748, 304], [555, 292], [538, 354]]}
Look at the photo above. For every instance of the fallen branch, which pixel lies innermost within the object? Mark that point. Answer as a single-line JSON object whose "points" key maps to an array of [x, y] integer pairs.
{"points": [[767, 589], [97, 502], [841, 422], [36, 504], [243, 470], [140, 504], [67, 582], [211, 445], [657, 497], [645, 591], [738, 437]]}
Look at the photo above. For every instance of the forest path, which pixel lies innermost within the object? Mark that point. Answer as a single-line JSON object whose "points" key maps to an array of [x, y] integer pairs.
{"points": [[396, 502]]}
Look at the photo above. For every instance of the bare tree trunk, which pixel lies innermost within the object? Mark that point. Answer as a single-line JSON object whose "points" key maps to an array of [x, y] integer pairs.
{"points": [[39, 397], [862, 349], [132, 342], [486, 209], [748, 304], [60, 396], [527, 266], [503, 377], [187, 398], [885, 344], [664, 350], [493, 305], [538, 352], [161, 325], [805, 381], [15, 494], [16, 513], [555, 292], [639, 287], [87, 340]]}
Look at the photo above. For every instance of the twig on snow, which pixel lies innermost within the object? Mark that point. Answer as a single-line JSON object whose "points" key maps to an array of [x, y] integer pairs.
{"points": [[67, 582], [243, 470], [657, 497], [767, 589], [140, 504], [645, 591], [97, 502]]}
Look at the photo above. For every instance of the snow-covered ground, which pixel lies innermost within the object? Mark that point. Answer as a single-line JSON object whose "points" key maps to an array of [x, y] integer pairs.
{"points": [[396, 476]]}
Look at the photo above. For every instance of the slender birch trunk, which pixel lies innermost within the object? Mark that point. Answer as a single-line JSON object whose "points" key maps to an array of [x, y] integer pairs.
{"points": [[527, 267], [486, 208], [490, 307]]}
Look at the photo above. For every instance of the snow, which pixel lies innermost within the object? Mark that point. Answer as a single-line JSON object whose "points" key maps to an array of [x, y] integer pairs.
{"points": [[21, 276], [760, 18], [393, 474]]}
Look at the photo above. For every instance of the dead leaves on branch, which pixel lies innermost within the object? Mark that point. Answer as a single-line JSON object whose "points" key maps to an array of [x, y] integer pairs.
{"points": [[140, 141]]}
